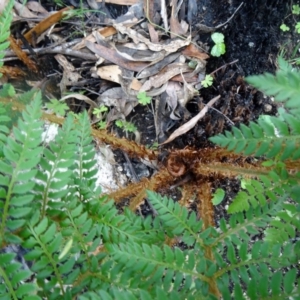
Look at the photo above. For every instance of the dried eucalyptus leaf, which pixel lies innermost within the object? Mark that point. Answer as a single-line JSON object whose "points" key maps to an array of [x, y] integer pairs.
{"points": [[191, 123], [139, 55], [171, 46], [165, 75], [155, 68]]}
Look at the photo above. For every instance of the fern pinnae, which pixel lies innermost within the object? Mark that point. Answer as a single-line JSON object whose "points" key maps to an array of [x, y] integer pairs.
{"points": [[18, 167], [5, 21], [13, 279], [43, 236], [150, 260], [85, 150], [284, 86], [176, 219], [58, 162]]}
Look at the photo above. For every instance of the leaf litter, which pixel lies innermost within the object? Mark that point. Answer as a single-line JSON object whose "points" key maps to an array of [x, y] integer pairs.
{"points": [[135, 55]]}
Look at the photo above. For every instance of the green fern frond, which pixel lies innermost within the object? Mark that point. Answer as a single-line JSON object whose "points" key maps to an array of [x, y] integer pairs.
{"points": [[22, 154], [270, 136], [45, 242], [158, 293], [284, 86], [57, 163], [256, 268], [4, 130], [241, 226], [165, 268], [117, 228], [80, 228], [177, 220], [284, 226], [12, 285], [256, 193], [5, 22], [85, 149]]}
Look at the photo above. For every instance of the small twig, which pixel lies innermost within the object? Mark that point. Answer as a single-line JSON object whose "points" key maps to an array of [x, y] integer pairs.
{"points": [[62, 49], [223, 115], [220, 25], [228, 64]]}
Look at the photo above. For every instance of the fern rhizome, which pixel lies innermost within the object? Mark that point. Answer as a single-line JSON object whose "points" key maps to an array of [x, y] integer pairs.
{"points": [[77, 245]]}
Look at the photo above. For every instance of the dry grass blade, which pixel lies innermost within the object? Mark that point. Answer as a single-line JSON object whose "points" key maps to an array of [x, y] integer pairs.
{"points": [[191, 123]]}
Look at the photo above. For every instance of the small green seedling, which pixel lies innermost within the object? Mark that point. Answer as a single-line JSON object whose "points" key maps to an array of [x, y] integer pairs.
{"points": [[154, 146], [284, 27], [143, 98], [297, 27], [218, 197], [207, 81], [296, 9], [99, 110], [102, 124], [59, 108], [219, 48], [126, 126]]}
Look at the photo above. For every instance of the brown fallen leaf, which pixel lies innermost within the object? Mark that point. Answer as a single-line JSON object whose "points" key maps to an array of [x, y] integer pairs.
{"points": [[36, 7], [135, 85], [158, 66], [188, 77], [22, 55], [170, 46], [114, 57], [165, 75], [41, 27], [121, 103], [110, 73], [23, 11], [153, 33], [138, 55], [176, 28], [193, 51], [70, 76], [105, 32], [191, 123]]}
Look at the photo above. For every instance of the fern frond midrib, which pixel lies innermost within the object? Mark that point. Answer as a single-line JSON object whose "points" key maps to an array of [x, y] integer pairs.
{"points": [[8, 283], [50, 258]]}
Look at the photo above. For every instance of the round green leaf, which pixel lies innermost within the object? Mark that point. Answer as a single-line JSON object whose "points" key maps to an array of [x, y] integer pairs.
{"points": [[217, 37], [218, 197]]}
